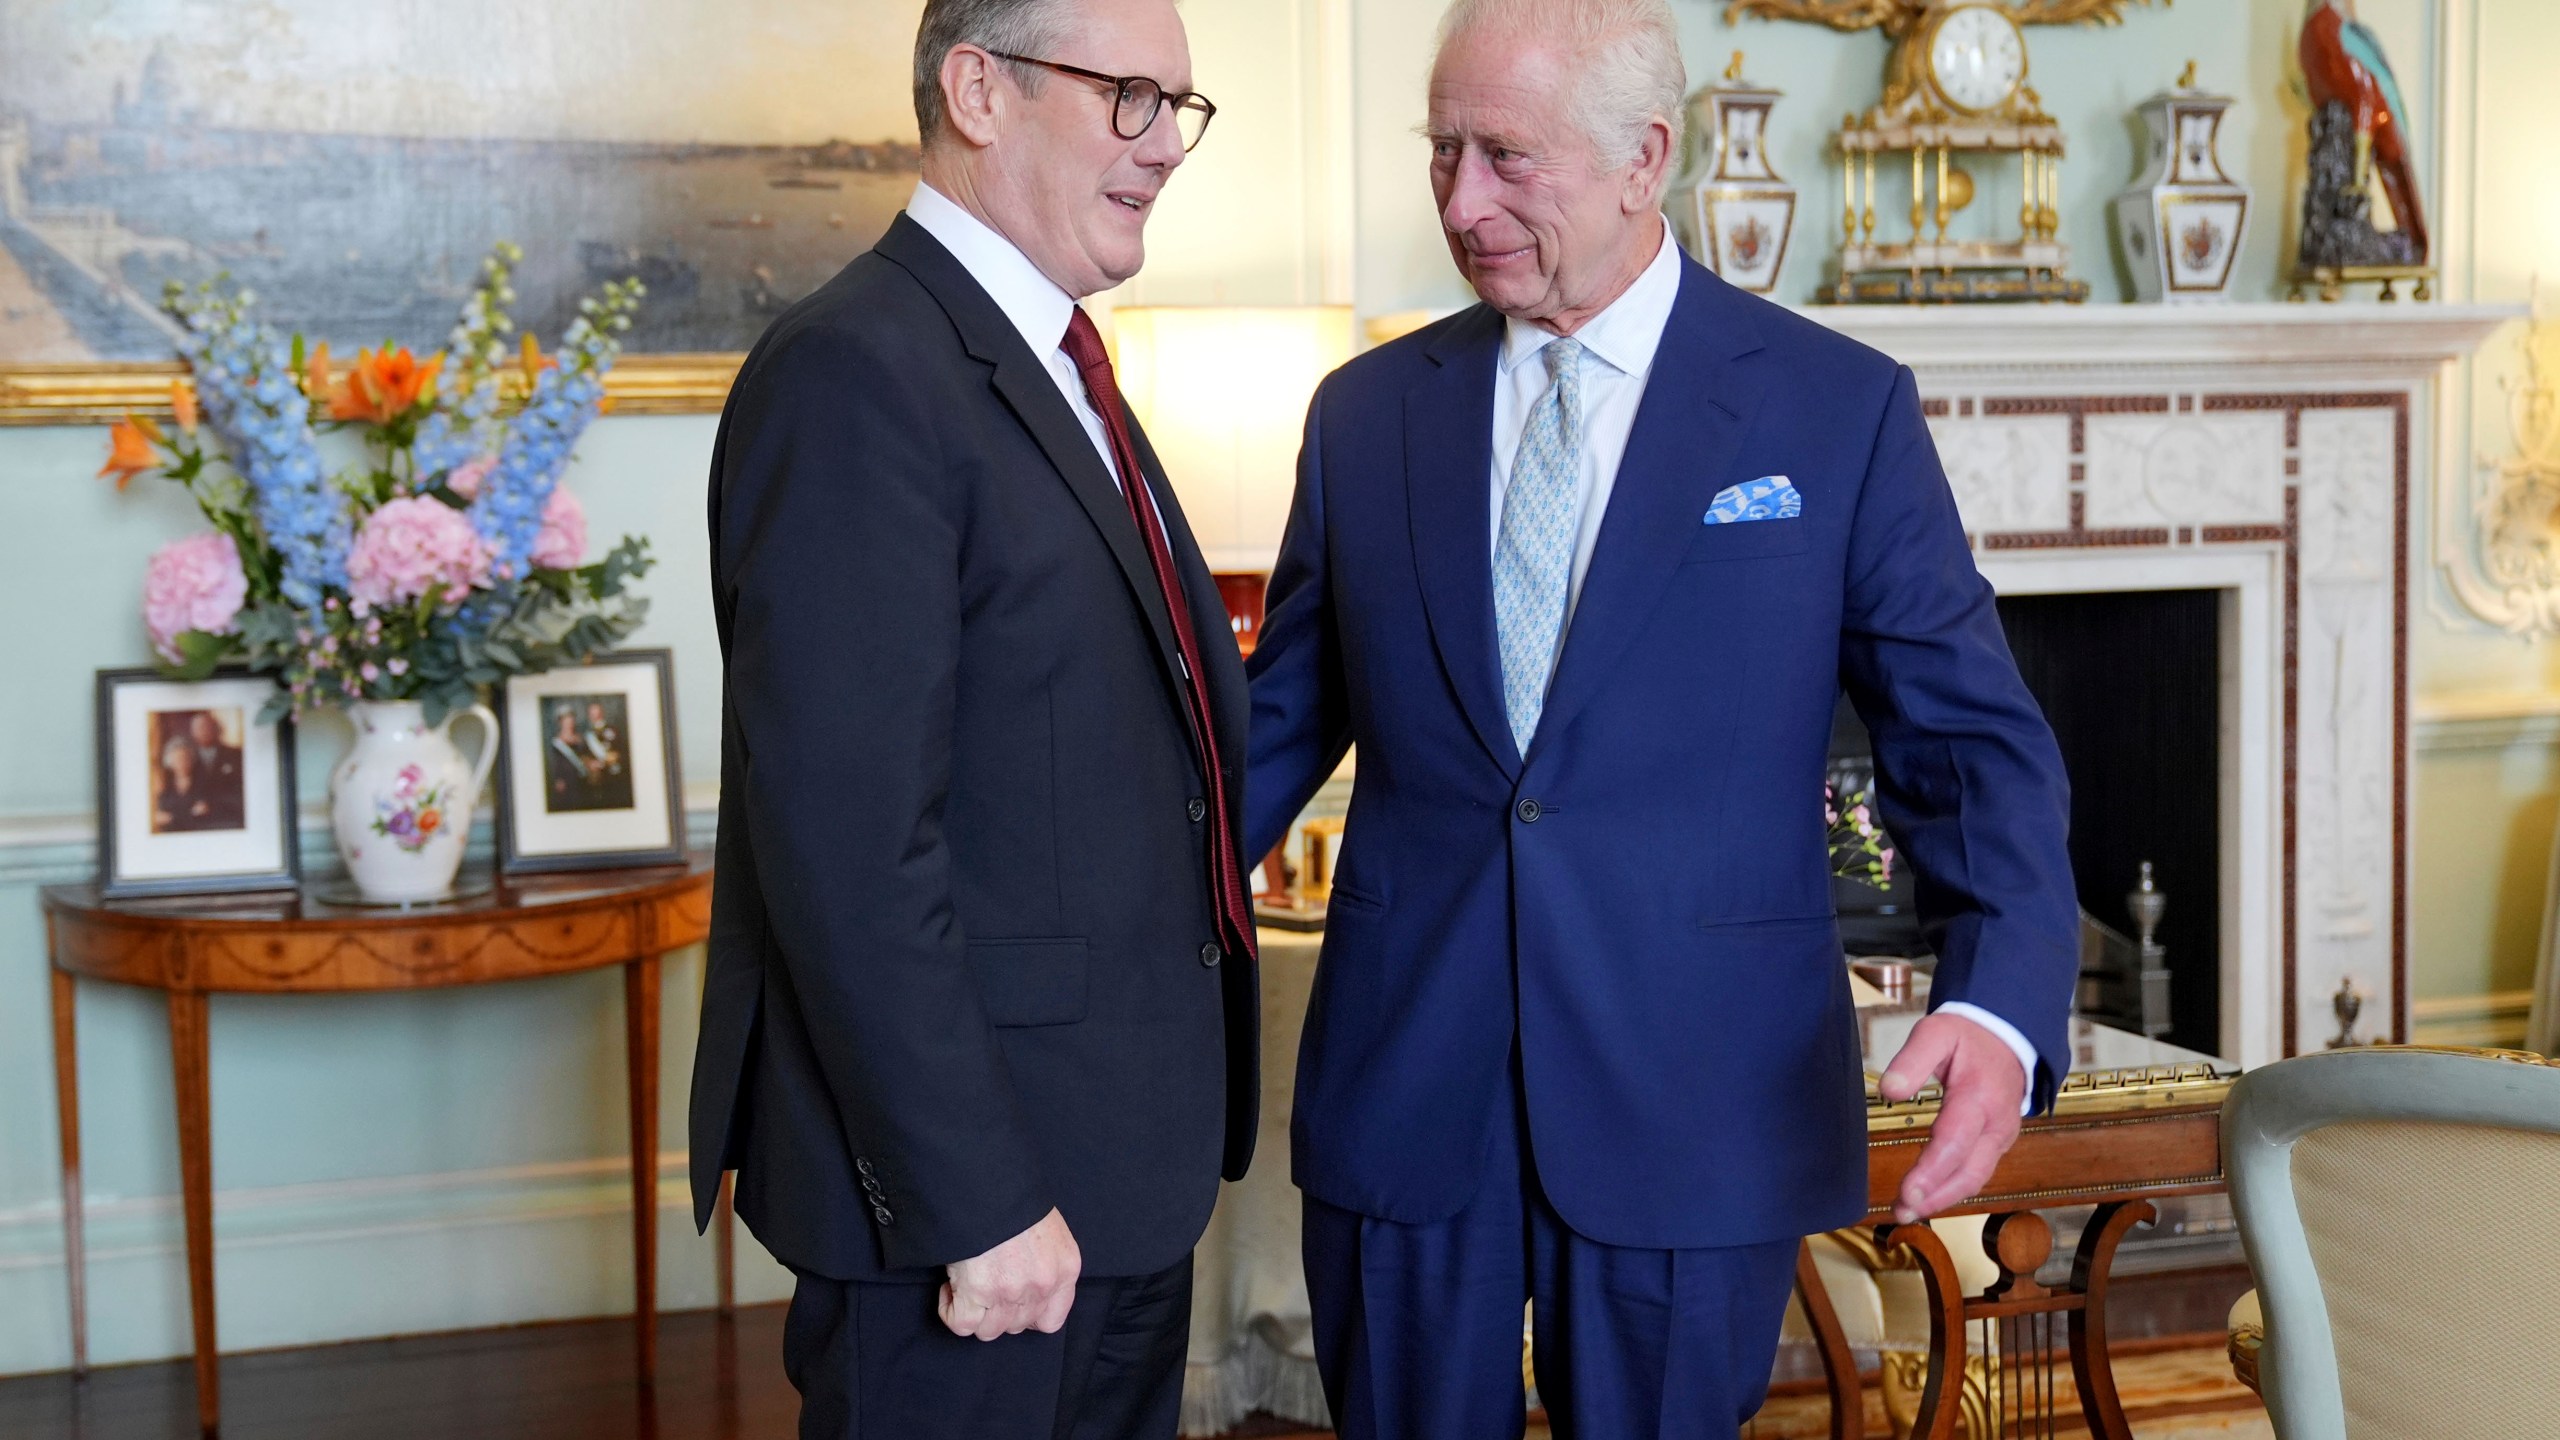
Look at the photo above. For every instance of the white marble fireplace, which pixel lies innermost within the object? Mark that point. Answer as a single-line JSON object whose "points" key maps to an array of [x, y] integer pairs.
{"points": [[2275, 454]]}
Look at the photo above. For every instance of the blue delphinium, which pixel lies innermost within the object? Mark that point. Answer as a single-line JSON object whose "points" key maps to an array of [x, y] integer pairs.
{"points": [[508, 509], [467, 426], [253, 400]]}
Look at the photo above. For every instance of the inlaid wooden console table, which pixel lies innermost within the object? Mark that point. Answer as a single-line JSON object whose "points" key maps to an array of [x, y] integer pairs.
{"points": [[2119, 1138], [196, 946]]}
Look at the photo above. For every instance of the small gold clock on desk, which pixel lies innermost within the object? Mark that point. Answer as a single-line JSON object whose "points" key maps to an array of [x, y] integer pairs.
{"points": [[1955, 90]]}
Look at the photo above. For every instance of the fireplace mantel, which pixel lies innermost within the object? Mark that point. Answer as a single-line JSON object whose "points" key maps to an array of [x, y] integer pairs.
{"points": [[2042, 347], [2273, 453]]}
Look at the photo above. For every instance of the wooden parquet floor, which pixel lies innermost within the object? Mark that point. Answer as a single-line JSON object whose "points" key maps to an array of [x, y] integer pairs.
{"points": [[723, 1381]]}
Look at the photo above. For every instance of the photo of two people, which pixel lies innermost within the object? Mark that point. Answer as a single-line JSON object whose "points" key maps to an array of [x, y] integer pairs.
{"points": [[586, 759], [196, 772]]}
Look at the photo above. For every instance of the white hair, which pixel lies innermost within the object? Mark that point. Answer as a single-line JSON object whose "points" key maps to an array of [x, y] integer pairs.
{"points": [[1626, 55]]}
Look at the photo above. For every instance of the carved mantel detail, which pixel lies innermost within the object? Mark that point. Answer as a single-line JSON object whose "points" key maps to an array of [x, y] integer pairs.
{"points": [[2278, 451]]}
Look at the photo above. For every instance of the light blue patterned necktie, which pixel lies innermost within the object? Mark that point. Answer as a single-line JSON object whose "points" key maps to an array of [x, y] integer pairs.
{"points": [[1533, 559]]}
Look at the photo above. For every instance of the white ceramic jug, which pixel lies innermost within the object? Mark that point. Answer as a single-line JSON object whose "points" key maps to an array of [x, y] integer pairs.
{"points": [[400, 802]]}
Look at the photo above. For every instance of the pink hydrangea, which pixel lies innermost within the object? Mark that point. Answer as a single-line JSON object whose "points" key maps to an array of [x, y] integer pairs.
{"points": [[415, 547], [192, 584], [563, 541], [464, 479]]}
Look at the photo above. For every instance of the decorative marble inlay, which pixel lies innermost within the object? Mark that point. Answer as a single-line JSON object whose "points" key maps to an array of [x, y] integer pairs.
{"points": [[2186, 469], [2010, 472]]}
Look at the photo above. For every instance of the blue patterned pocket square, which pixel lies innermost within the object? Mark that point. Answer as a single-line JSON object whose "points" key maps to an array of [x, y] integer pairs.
{"points": [[1771, 497]]}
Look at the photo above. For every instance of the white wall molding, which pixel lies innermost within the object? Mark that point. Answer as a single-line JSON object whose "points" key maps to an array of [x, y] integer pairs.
{"points": [[2485, 721], [344, 1259], [2495, 1020]]}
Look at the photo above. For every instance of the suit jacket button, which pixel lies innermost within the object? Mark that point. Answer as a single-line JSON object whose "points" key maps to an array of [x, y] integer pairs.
{"points": [[1199, 809], [1210, 955], [1530, 810], [861, 1167], [881, 1214]]}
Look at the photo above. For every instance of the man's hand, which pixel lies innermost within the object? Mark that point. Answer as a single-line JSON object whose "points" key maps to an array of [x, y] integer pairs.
{"points": [[1978, 1120], [1026, 1283]]}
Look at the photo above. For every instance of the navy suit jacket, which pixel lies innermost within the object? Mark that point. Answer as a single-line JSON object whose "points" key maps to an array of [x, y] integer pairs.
{"points": [[1641, 905]]}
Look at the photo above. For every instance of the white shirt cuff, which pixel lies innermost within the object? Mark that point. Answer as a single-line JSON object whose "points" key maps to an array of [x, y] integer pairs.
{"points": [[2009, 1036]]}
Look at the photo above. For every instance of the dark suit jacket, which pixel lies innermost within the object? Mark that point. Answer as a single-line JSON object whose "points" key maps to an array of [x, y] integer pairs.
{"points": [[1642, 904], [957, 949]]}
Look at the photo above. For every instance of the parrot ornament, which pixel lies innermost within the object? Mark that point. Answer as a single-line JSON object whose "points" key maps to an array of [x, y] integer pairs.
{"points": [[2350, 84]]}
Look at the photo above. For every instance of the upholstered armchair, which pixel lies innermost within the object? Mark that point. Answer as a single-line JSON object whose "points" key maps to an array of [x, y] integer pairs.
{"points": [[2401, 1211], [1882, 1303]]}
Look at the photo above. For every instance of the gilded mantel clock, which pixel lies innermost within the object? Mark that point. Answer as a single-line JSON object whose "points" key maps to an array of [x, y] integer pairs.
{"points": [[1955, 89]]}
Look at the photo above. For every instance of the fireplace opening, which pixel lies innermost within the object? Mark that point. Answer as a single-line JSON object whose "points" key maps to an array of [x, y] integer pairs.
{"points": [[2131, 683]]}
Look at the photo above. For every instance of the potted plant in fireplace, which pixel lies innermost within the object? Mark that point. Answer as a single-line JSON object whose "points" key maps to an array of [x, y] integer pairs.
{"points": [[397, 588]]}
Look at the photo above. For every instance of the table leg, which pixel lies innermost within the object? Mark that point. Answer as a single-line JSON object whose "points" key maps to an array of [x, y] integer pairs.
{"points": [[640, 1026], [75, 1224], [724, 1217], [1839, 1367], [191, 1071], [2091, 1366]]}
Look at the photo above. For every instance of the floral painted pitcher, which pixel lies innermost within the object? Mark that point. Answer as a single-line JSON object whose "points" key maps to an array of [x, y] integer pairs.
{"points": [[401, 801]]}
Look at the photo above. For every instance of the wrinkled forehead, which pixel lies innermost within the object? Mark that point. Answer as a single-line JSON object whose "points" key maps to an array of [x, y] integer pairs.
{"points": [[1486, 87]]}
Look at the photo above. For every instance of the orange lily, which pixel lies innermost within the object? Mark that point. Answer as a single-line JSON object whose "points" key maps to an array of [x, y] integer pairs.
{"points": [[315, 381], [182, 399], [385, 385], [129, 452]]}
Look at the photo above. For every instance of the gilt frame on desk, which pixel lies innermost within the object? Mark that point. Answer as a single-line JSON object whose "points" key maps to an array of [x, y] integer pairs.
{"points": [[353, 176]]}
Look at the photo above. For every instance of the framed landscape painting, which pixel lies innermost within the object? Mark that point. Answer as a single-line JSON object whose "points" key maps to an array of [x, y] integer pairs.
{"points": [[353, 166]]}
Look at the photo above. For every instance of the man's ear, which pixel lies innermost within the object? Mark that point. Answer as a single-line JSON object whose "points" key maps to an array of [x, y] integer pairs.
{"points": [[1651, 170], [973, 95]]}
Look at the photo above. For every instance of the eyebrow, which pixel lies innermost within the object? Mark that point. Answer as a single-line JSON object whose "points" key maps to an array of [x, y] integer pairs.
{"points": [[1487, 140]]}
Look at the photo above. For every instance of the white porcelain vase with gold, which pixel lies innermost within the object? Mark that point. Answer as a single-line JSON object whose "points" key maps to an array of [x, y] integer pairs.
{"points": [[400, 803]]}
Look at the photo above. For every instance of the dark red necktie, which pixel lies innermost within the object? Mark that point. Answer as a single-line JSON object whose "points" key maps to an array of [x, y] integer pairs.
{"points": [[1084, 346]]}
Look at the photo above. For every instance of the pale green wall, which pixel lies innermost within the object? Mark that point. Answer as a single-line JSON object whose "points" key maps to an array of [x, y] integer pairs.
{"points": [[466, 1147]]}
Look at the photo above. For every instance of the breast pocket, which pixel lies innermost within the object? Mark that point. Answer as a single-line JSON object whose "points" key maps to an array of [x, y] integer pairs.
{"points": [[1747, 540], [1030, 982]]}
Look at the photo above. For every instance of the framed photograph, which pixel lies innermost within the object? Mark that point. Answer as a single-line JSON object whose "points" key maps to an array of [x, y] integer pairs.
{"points": [[588, 772], [194, 795], [353, 175]]}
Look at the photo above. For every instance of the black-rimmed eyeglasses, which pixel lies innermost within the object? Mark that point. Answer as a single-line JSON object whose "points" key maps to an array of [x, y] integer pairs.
{"points": [[1137, 101]]}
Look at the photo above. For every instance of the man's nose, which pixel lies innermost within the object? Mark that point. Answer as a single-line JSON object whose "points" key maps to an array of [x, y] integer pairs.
{"points": [[1470, 198], [1161, 147]]}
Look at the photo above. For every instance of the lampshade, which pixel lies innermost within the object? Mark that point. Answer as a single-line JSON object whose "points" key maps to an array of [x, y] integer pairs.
{"points": [[1223, 395]]}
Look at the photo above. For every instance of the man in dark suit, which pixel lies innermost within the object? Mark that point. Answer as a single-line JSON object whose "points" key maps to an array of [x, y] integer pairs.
{"points": [[978, 1034], [1582, 571]]}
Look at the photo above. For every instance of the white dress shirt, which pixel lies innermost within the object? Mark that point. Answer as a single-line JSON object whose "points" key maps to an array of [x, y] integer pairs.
{"points": [[1618, 346], [1031, 300]]}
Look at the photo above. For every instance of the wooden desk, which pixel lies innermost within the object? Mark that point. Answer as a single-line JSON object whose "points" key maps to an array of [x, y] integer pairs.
{"points": [[2116, 1140], [196, 946]]}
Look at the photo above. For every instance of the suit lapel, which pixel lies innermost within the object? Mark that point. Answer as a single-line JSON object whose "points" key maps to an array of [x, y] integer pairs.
{"points": [[1026, 387], [1448, 440], [1219, 658], [1697, 405]]}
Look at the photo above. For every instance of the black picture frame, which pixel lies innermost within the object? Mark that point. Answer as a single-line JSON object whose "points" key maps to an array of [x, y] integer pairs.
{"points": [[273, 859], [523, 847]]}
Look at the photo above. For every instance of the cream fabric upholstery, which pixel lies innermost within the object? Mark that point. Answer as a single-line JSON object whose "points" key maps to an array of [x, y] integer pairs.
{"points": [[2401, 1211], [1889, 1309], [2438, 1248]]}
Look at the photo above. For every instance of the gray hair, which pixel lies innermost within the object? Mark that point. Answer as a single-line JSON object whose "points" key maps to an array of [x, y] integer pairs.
{"points": [[1626, 54], [1020, 27]]}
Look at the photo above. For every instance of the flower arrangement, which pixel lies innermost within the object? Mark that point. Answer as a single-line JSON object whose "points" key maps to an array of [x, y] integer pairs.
{"points": [[1860, 848], [450, 559]]}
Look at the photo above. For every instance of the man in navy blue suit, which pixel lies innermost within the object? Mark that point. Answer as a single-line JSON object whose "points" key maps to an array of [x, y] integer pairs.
{"points": [[1582, 572]]}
